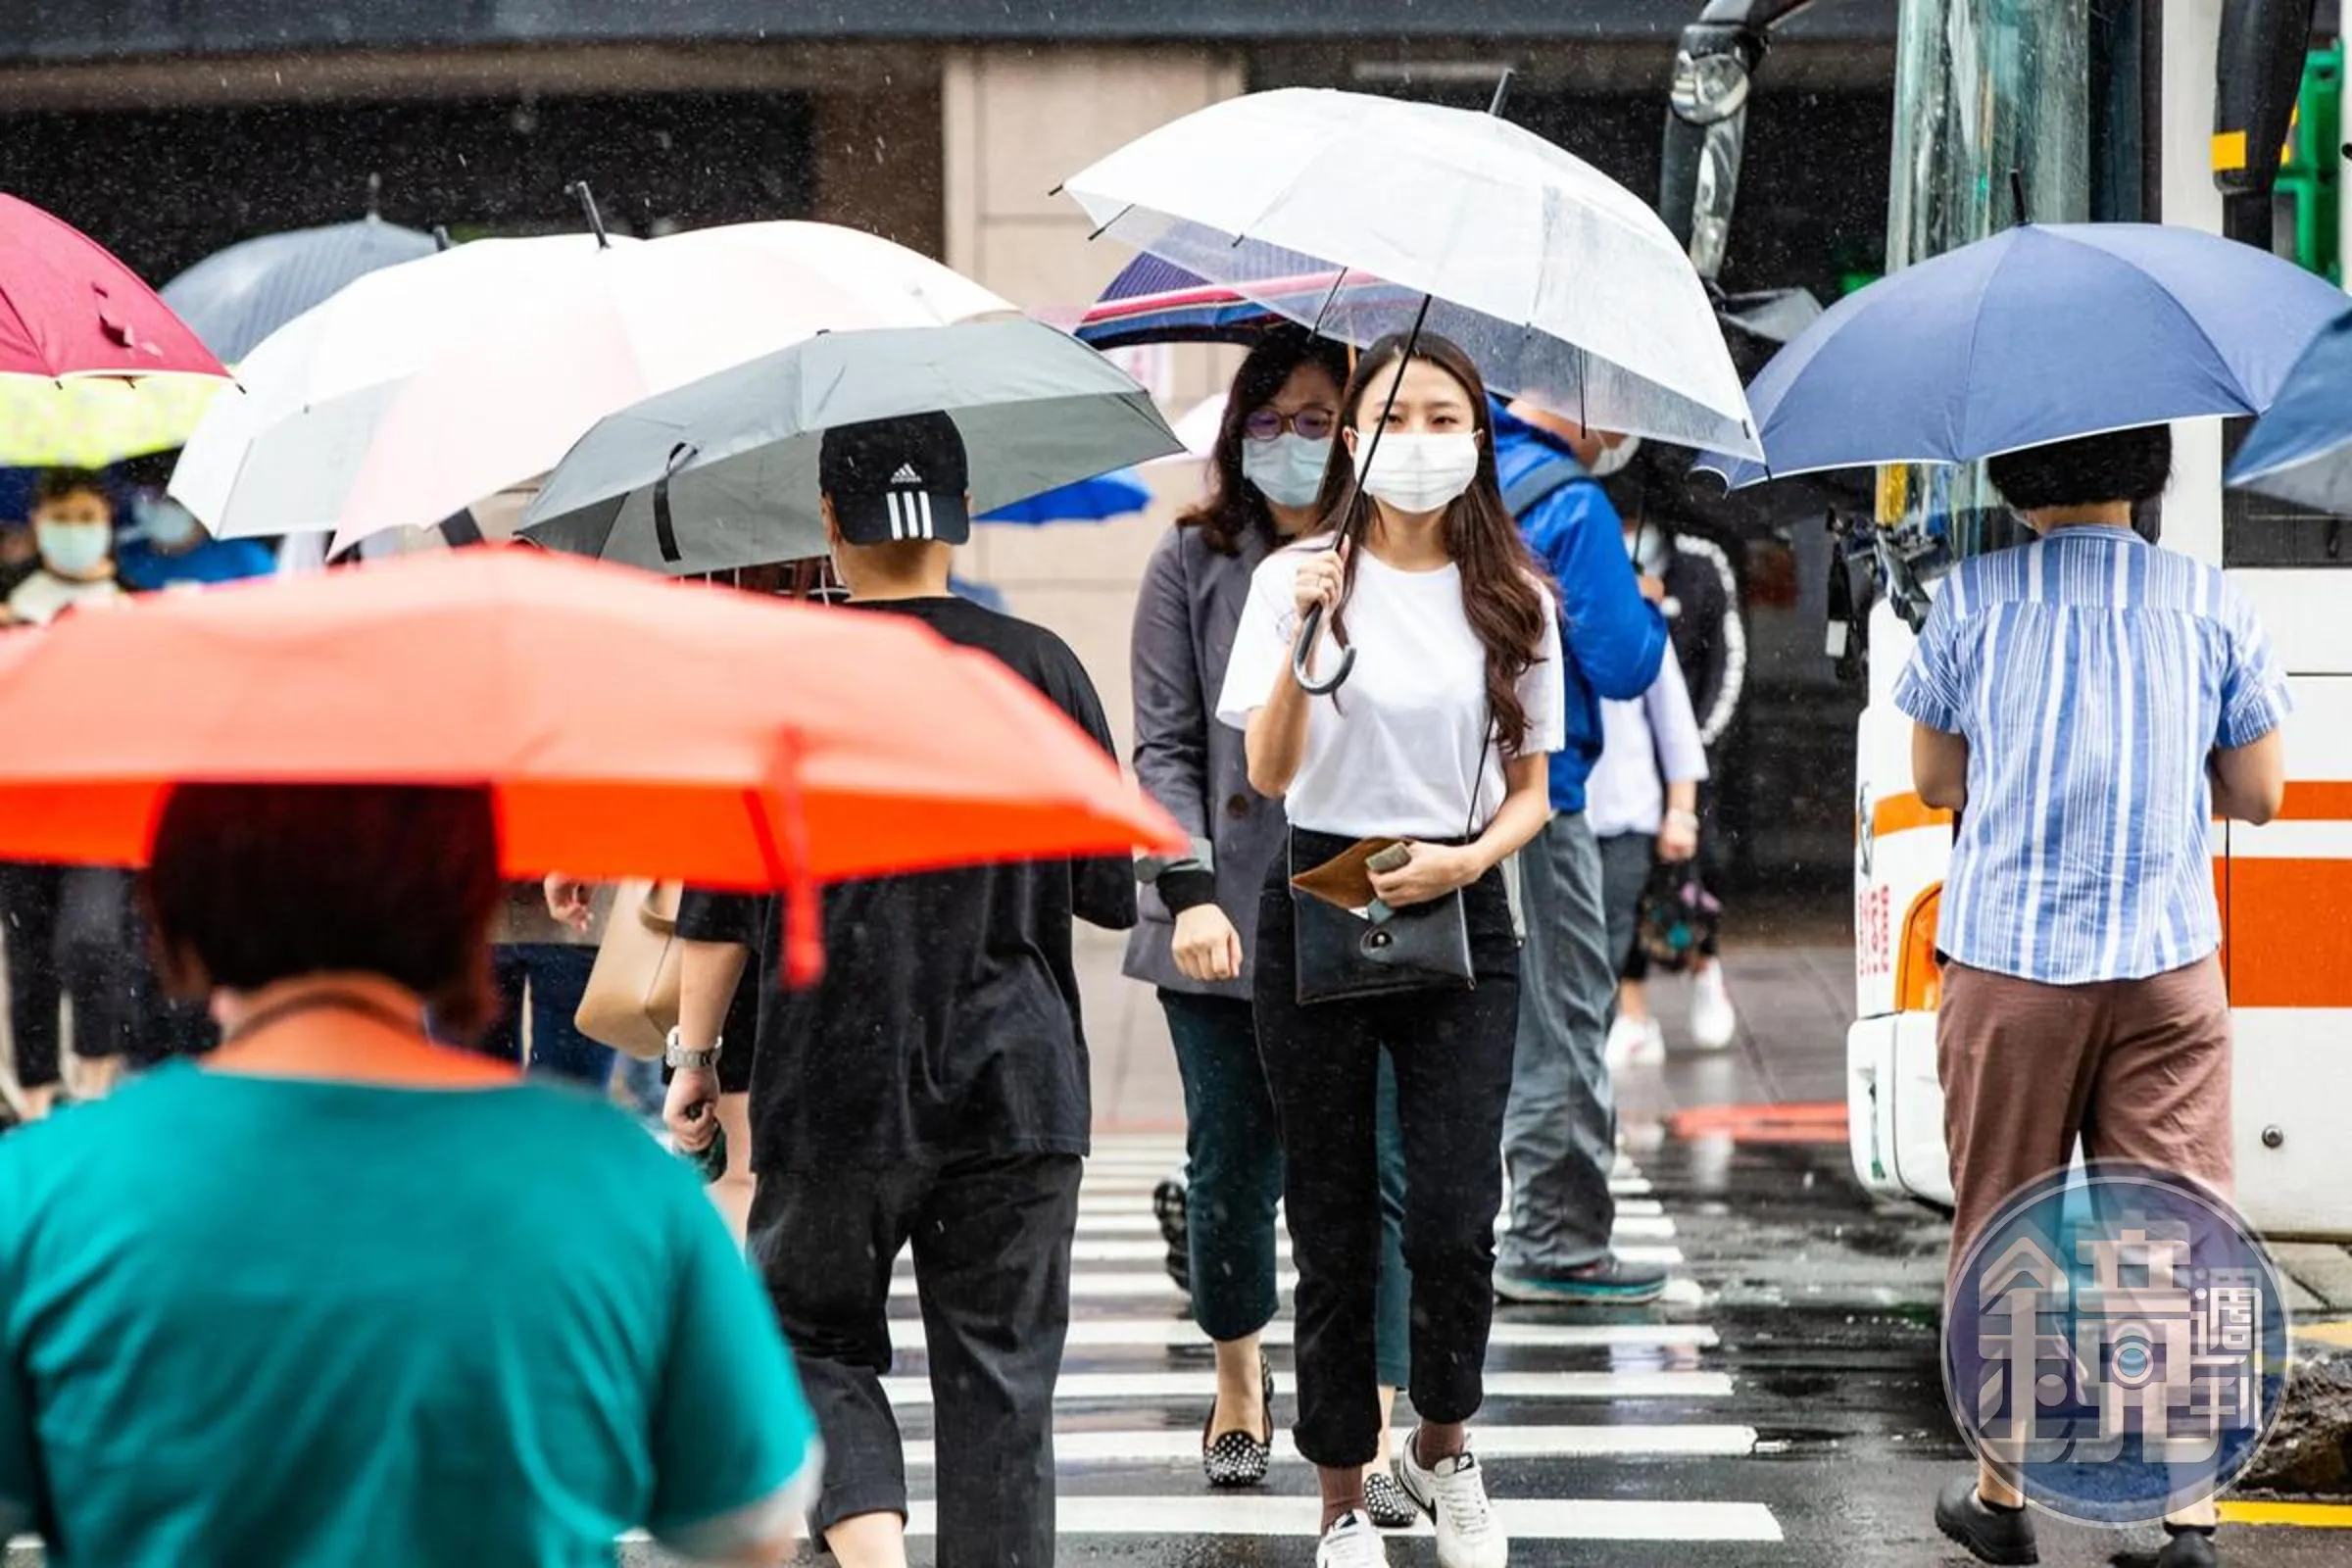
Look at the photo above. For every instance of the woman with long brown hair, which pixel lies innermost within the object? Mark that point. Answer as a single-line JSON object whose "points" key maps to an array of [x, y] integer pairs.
{"points": [[1417, 778], [1197, 936]]}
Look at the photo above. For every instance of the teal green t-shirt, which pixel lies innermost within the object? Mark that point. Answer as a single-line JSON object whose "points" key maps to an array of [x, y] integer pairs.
{"points": [[271, 1321]]}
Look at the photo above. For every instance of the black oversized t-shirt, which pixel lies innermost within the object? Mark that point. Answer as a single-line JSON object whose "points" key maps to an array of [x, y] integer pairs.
{"points": [[946, 1022]]}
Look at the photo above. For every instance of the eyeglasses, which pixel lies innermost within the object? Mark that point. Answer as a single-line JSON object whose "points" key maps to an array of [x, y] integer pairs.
{"points": [[1309, 425]]}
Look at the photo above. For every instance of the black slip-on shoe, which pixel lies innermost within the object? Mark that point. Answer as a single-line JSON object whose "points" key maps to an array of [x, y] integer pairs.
{"points": [[2000, 1536]]}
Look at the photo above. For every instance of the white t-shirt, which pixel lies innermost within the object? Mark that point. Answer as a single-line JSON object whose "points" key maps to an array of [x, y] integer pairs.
{"points": [[44, 596], [1394, 753]]}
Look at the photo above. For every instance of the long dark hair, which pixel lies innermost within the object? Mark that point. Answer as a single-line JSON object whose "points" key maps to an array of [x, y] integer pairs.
{"points": [[1233, 508], [1501, 580]]}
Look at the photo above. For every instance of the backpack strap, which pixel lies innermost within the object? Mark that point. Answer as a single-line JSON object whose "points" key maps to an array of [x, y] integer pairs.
{"points": [[1540, 481]]}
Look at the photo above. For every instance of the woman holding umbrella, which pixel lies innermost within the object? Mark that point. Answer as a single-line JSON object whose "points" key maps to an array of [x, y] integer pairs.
{"points": [[1415, 780], [1196, 938]]}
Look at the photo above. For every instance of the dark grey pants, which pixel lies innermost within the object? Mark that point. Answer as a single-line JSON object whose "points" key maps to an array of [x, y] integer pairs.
{"points": [[1560, 1134], [992, 1267]]}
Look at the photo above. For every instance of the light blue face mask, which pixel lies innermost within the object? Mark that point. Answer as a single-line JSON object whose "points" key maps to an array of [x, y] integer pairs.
{"points": [[73, 549], [1288, 470]]}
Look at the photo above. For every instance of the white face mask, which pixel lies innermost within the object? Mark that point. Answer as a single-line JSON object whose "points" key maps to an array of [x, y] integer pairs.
{"points": [[1418, 474], [1613, 460], [1288, 470]]}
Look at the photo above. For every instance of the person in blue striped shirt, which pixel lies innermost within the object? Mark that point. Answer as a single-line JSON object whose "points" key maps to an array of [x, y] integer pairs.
{"points": [[2085, 701]]}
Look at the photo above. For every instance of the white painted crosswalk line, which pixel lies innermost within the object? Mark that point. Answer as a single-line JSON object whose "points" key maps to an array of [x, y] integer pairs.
{"points": [[1126, 1185], [1121, 1217], [1564, 1519], [912, 1391], [1152, 1249], [1237, 1514], [1090, 1285], [1173, 1332], [1181, 1449]]}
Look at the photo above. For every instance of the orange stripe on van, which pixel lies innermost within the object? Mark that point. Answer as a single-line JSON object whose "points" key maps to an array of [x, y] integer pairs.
{"points": [[2289, 926], [2324, 800], [1900, 814]]}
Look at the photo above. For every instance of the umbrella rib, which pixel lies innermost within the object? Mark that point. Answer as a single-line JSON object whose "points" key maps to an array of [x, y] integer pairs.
{"points": [[1107, 223]]}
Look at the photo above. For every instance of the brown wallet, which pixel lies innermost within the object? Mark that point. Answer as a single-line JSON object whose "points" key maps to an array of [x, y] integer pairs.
{"points": [[1345, 881]]}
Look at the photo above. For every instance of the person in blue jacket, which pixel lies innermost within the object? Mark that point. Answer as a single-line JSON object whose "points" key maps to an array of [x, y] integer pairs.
{"points": [[1561, 1133], [167, 548]]}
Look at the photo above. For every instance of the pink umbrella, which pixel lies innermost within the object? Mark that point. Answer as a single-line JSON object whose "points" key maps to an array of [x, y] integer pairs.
{"points": [[68, 308]]}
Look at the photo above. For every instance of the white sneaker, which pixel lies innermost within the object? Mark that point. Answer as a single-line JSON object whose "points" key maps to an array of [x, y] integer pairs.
{"points": [[1453, 1492], [1351, 1542], [1713, 1018], [1634, 1042], [1623, 1042]]}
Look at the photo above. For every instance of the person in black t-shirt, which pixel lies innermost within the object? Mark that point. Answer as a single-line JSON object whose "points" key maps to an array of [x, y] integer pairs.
{"points": [[931, 1089]]}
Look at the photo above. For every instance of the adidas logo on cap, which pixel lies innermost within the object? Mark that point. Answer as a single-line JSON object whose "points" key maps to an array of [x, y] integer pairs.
{"points": [[906, 475]]}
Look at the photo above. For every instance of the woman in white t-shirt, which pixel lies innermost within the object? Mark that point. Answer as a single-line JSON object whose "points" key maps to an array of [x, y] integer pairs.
{"points": [[1439, 737]]}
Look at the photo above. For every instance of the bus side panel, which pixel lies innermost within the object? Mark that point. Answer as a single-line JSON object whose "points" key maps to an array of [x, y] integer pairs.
{"points": [[2288, 921]]}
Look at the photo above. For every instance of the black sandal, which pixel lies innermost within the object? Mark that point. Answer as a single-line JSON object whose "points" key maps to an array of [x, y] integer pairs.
{"points": [[1236, 1458]]}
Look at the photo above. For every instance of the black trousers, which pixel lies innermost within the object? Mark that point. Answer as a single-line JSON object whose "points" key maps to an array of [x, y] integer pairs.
{"points": [[1453, 1055], [76, 931], [992, 1268]]}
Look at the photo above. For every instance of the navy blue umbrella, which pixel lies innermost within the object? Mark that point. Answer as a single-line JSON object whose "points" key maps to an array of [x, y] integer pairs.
{"points": [[2302, 450], [1096, 500], [2040, 333], [236, 297]]}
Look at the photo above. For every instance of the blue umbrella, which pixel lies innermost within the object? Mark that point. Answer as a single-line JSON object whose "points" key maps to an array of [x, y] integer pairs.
{"points": [[2302, 450], [236, 297], [1107, 495], [2040, 333]]}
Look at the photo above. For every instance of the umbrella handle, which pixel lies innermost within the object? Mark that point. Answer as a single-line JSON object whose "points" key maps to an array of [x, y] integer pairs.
{"points": [[1310, 630]]}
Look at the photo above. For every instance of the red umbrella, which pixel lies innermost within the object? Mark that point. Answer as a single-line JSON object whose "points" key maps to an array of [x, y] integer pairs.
{"points": [[630, 725], [68, 308]]}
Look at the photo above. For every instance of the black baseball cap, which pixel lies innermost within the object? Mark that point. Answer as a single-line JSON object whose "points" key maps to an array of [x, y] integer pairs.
{"points": [[898, 478]]}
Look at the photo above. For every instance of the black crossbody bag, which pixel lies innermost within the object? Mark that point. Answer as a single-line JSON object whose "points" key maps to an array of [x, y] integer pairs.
{"points": [[1344, 956]]}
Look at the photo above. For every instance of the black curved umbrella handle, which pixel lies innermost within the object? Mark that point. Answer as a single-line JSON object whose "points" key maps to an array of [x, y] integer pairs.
{"points": [[1311, 631]]}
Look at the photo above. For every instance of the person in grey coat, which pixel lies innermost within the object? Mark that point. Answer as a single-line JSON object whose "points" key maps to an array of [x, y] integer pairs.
{"points": [[1196, 936]]}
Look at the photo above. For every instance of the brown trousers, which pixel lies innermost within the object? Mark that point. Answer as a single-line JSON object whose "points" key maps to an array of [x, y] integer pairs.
{"points": [[2139, 1069]]}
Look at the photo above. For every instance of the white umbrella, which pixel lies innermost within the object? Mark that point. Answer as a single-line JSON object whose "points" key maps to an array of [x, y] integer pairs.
{"points": [[1197, 430], [509, 402], [1562, 283], [519, 346], [261, 461]]}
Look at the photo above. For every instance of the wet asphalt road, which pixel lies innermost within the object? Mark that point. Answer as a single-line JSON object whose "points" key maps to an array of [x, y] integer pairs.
{"points": [[1784, 1407]]}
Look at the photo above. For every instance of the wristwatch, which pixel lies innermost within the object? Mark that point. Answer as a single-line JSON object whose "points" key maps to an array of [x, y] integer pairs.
{"points": [[681, 1059], [1684, 819]]}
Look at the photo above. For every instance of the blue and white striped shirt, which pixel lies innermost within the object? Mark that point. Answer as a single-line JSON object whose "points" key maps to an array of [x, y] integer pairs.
{"points": [[2092, 674]]}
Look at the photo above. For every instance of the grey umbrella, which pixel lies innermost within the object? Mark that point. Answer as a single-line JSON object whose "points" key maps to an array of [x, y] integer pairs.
{"points": [[236, 297], [721, 473]]}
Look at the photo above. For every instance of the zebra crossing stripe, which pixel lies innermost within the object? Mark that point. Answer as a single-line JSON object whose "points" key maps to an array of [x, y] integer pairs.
{"points": [[1131, 1187], [1125, 1217], [909, 1392], [1175, 1333], [1087, 1285], [1151, 1249], [1242, 1515], [1182, 1449], [1526, 1519]]}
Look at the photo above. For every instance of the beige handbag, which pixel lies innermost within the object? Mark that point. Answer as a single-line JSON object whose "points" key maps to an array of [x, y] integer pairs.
{"points": [[631, 1003]]}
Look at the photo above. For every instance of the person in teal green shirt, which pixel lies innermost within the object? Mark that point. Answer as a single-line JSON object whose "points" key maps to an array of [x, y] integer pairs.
{"points": [[340, 1295]]}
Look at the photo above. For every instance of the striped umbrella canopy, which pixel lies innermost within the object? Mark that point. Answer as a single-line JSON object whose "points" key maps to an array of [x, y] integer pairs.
{"points": [[1155, 301], [236, 297]]}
